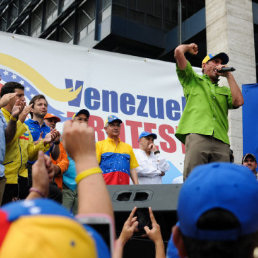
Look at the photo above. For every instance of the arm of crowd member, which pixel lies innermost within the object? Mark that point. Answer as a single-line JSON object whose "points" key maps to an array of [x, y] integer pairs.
{"points": [[55, 151], [134, 176], [130, 226], [15, 129], [79, 142], [6, 99], [42, 174], [155, 235], [180, 51], [62, 162], [33, 148], [50, 138], [23, 115]]}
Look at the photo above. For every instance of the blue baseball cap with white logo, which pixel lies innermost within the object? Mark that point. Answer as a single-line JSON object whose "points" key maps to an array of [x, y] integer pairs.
{"points": [[145, 134]]}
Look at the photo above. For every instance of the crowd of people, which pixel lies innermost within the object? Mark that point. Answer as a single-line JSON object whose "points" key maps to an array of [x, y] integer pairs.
{"points": [[46, 178]]}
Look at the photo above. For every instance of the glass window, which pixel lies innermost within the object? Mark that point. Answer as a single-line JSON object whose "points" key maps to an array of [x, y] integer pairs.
{"points": [[3, 23], [24, 4], [24, 28], [13, 11], [36, 20], [66, 31], [51, 11]]}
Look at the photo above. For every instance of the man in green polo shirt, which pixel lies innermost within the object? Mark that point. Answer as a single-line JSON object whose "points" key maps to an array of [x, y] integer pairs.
{"points": [[203, 126]]}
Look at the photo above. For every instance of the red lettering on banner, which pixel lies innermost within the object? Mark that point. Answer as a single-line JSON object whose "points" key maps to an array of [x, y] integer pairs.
{"points": [[98, 125], [122, 132], [149, 126], [170, 145], [70, 114], [134, 132]]}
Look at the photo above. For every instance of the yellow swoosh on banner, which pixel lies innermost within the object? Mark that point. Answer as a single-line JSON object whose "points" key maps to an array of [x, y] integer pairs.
{"points": [[38, 80]]}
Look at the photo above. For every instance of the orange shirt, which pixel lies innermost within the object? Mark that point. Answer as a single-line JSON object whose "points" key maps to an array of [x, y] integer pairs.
{"points": [[63, 162]]}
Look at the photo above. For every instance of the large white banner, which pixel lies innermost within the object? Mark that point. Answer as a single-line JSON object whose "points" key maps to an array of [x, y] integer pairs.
{"points": [[144, 93]]}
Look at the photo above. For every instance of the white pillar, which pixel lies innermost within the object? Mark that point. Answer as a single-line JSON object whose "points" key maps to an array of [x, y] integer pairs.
{"points": [[229, 28]]}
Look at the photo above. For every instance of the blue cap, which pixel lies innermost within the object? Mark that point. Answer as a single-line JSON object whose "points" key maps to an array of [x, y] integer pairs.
{"points": [[145, 134], [112, 119], [219, 185]]}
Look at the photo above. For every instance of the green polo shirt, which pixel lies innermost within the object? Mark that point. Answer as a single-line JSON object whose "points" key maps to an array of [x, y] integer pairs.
{"points": [[207, 104]]}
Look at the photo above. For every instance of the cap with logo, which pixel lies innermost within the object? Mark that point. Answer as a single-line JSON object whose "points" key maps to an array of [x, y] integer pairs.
{"points": [[146, 134], [111, 119], [223, 56]]}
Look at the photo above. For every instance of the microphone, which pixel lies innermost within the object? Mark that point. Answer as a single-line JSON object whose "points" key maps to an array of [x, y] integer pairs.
{"points": [[226, 69]]}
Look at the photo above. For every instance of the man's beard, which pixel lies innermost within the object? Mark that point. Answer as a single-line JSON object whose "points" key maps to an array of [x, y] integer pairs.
{"points": [[41, 116]]}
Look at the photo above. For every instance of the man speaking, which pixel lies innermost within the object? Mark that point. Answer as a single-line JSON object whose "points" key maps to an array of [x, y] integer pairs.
{"points": [[203, 126]]}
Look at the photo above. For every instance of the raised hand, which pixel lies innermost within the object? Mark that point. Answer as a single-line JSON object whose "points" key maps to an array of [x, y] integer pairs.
{"points": [[6, 99], [18, 108], [55, 135], [154, 234], [193, 49], [23, 115], [50, 168], [52, 136], [130, 226], [79, 142], [152, 147], [40, 174]]}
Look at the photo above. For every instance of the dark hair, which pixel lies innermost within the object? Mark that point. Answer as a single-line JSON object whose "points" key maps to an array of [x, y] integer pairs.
{"points": [[220, 219], [33, 100], [10, 87]]}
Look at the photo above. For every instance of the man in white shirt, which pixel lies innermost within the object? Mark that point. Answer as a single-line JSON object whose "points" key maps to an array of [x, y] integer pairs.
{"points": [[152, 166]]}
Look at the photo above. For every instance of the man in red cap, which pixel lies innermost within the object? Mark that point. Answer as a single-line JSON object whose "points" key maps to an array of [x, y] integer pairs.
{"points": [[203, 126]]}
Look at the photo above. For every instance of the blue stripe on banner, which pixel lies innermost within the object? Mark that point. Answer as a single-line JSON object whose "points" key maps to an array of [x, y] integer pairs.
{"points": [[250, 121]]}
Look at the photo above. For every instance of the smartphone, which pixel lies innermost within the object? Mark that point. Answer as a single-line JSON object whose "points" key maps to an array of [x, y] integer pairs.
{"points": [[103, 225], [143, 217]]}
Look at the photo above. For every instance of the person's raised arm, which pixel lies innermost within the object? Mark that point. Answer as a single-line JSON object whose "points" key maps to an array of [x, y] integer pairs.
{"points": [[130, 226], [79, 142], [11, 126], [180, 51], [55, 138], [42, 173]]}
